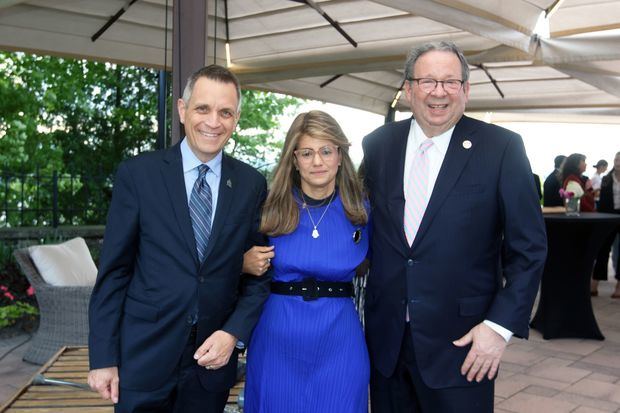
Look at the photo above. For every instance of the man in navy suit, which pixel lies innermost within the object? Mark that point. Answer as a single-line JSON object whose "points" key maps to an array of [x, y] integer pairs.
{"points": [[446, 292], [171, 307]]}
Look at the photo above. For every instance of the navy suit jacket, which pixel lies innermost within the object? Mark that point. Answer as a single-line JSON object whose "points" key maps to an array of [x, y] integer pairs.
{"points": [[483, 221], [150, 281]]}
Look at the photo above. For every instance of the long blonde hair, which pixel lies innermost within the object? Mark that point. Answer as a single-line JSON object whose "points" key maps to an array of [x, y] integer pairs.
{"points": [[281, 212]]}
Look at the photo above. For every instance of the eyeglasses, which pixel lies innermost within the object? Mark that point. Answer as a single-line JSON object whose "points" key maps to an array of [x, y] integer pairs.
{"points": [[306, 155], [427, 85]]}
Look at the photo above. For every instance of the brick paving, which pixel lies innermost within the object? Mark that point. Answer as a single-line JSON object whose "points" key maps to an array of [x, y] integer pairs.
{"points": [[536, 376]]}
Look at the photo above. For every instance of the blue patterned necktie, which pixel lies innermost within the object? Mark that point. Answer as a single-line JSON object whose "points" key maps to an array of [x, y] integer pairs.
{"points": [[200, 210]]}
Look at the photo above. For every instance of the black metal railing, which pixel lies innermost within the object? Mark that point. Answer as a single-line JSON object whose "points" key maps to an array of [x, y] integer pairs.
{"points": [[53, 199]]}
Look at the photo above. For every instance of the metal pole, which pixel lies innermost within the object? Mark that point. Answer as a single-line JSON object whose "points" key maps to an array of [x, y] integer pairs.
{"points": [[189, 46], [161, 109], [55, 200]]}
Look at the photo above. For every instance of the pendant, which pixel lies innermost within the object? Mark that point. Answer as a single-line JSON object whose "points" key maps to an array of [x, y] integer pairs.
{"points": [[315, 233]]}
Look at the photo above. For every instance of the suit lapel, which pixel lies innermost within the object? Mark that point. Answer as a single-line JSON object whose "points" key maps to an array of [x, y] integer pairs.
{"points": [[395, 170], [172, 172], [228, 182], [455, 160]]}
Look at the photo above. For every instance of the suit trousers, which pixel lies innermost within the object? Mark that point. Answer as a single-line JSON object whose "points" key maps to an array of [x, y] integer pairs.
{"points": [[183, 394], [405, 391], [602, 260]]}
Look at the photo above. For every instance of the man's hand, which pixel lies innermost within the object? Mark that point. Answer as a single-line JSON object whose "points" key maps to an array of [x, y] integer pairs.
{"points": [[105, 382], [485, 353], [216, 350], [257, 260]]}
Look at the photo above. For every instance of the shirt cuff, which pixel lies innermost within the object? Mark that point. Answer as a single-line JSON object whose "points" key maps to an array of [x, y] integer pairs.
{"points": [[505, 333]]}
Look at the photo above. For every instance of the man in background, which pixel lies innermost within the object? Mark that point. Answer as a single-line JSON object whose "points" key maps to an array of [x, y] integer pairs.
{"points": [[553, 183], [601, 168]]}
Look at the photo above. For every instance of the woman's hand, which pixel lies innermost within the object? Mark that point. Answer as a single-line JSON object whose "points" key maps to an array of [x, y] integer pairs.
{"points": [[257, 260]]}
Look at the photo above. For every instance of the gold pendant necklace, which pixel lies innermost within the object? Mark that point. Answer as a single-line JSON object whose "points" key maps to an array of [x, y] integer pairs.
{"points": [[315, 231]]}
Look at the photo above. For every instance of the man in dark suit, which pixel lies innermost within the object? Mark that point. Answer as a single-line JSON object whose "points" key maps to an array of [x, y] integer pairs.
{"points": [[553, 183], [170, 306], [454, 210]]}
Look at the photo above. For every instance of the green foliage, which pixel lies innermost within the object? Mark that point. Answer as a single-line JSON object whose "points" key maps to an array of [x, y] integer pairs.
{"points": [[10, 314], [255, 141], [12, 280], [72, 115], [83, 118]]}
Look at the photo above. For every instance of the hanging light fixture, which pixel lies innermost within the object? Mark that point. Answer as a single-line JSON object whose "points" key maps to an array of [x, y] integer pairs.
{"points": [[228, 62]]}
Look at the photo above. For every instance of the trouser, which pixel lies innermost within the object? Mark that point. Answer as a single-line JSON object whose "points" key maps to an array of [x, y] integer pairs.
{"points": [[405, 391], [602, 260], [183, 394]]}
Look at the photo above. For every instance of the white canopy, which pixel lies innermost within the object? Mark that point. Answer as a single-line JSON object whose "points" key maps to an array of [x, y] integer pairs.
{"points": [[289, 47]]}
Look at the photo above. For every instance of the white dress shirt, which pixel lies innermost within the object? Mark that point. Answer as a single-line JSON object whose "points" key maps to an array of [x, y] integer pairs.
{"points": [[616, 191], [436, 154], [596, 181]]}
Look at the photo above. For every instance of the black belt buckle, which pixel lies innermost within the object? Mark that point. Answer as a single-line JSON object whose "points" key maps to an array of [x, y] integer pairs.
{"points": [[309, 289]]}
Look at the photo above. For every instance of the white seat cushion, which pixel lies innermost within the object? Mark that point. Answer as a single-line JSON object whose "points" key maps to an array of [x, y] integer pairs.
{"points": [[66, 264]]}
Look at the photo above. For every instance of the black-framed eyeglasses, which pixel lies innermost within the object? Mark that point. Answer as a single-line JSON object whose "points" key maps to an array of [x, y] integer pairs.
{"points": [[327, 153], [428, 85]]}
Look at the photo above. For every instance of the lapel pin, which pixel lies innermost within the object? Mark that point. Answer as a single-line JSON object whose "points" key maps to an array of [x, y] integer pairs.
{"points": [[357, 236], [466, 144], [229, 183]]}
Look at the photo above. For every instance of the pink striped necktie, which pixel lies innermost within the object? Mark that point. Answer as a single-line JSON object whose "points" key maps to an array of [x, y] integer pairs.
{"points": [[416, 190]]}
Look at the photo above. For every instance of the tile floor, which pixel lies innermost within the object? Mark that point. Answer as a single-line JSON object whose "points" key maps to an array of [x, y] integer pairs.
{"points": [[536, 376]]}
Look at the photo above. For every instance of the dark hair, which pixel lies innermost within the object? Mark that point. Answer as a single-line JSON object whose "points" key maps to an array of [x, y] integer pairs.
{"points": [[416, 52], [558, 161], [600, 163], [213, 72], [571, 166]]}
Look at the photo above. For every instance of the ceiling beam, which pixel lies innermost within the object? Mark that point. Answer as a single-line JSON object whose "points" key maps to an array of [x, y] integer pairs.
{"points": [[458, 18], [586, 29], [586, 73], [313, 68], [9, 3], [331, 21]]}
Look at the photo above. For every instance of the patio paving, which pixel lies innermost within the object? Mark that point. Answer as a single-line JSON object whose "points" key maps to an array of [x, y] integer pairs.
{"points": [[536, 376]]}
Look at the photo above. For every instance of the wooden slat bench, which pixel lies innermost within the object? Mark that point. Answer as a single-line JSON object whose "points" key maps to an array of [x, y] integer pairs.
{"points": [[71, 364]]}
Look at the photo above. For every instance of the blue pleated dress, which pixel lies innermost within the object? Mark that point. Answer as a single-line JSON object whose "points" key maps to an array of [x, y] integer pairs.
{"points": [[310, 356]]}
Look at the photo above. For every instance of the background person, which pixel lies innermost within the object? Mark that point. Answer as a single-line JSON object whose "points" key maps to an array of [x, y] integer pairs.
{"points": [[538, 188], [451, 199], [553, 183], [574, 181], [610, 203], [601, 167]]}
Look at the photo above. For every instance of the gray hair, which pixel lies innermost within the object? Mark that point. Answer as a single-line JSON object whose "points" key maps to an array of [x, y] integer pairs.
{"points": [[212, 72], [416, 52]]}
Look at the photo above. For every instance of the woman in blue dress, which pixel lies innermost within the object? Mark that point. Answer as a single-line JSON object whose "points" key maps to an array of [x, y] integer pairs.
{"points": [[307, 353]]}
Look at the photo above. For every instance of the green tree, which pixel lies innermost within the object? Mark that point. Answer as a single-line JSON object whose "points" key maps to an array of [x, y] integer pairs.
{"points": [[82, 118], [256, 140]]}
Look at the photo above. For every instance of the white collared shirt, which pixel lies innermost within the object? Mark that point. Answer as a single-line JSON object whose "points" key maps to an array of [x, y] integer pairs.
{"points": [[190, 173], [436, 154], [616, 191]]}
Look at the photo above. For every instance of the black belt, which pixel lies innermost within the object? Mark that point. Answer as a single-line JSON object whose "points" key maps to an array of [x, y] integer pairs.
{"points": [[311, 289]]}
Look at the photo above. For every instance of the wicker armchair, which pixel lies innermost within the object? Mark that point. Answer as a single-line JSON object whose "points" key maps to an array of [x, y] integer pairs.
{"points": [[63, 310]]}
